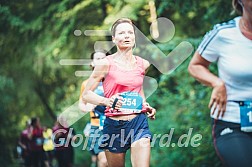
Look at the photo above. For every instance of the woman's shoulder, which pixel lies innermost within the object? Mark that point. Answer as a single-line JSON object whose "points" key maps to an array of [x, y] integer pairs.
{"points": [[108, 59], [110, 56], [224, 26], [104, 62], [221, 31], [144, 62]]}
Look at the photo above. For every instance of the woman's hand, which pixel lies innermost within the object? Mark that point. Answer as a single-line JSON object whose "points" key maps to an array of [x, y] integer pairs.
{"points": [[218, 99], [151, 112], [115, 101]]}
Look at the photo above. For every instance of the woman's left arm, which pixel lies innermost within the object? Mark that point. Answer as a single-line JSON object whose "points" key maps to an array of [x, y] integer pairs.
{"points": [[150, 110]]}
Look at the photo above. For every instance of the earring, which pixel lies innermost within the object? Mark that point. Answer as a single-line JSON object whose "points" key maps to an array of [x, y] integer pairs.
{"points": [[241, 3]]}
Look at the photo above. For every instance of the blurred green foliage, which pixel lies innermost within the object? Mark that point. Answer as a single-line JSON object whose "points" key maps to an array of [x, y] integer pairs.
{"points": [[36, 34]]}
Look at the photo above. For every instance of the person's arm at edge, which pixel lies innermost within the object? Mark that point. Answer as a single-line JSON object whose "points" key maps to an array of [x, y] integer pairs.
{"points": [[198, 68]]}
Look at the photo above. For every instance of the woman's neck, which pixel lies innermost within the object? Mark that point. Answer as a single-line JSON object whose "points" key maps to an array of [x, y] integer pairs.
{"points": [[247, 23], [125, 59], [125, 55], [246, 26]]}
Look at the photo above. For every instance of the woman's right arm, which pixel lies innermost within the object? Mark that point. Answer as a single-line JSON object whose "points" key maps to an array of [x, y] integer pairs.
{"points": [[198, 68], [99, 73], [89, 97]]}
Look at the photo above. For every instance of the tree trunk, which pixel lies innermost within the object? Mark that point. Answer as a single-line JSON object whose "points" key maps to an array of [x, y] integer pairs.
{"points": [[45, 103]]}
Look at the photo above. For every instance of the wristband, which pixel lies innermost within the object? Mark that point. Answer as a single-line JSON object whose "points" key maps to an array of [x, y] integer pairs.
{"points": [[114, 103]]}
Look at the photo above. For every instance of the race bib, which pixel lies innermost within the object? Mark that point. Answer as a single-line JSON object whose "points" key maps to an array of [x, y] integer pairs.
{"points": [[132, 102], [246, 116]]}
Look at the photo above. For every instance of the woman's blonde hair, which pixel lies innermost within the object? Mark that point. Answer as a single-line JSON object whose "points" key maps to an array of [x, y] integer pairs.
{"points": [[119, 21]]}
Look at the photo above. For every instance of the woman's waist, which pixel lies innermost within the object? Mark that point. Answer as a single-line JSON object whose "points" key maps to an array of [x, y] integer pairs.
{"points": [[123, 117], [110, 112]]}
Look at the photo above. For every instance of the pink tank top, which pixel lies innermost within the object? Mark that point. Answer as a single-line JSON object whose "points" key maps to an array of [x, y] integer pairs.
{"points": [[118, 81]]}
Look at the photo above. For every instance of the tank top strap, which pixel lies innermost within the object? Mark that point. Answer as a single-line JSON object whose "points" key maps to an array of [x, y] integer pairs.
{"points": [[111, 62], [110, 59], [140, 62]]}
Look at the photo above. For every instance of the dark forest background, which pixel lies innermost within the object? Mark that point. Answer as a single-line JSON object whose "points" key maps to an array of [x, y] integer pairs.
{"points": [[36, 34]]}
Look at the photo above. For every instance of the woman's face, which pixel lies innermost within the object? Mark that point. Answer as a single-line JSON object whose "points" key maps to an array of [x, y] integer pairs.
{"points": [[124, 36], [97, 56]]}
